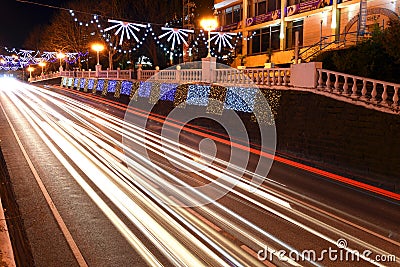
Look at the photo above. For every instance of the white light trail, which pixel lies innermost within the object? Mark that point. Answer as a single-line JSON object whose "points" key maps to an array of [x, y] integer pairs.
{"points": [[111, 167]]}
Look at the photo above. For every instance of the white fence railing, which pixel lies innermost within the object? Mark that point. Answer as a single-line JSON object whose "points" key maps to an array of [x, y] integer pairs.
{"points": [[259, 76], [359, 88], [105, 74], [45, 77], [350, 88]]}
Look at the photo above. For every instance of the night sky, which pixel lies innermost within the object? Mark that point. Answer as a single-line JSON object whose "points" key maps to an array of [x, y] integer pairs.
{"points": [[18, 19]]}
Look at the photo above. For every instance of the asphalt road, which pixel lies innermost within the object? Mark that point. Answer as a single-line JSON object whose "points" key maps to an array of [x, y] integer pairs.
{"points": [[122, 196]]}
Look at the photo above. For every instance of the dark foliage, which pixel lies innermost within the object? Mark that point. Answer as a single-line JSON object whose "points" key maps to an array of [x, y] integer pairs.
{"points": [[377, 57]]}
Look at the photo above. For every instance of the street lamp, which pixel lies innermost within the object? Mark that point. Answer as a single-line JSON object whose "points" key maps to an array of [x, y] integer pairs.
{"points": [[98, 48], [30, 69], [60, 56], [209, 25], [42, 64]]}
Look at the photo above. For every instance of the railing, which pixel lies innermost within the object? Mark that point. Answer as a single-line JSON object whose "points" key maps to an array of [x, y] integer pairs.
{"points": [[79, 74], [267, 77], [359, 88], [45, 77], [115, 74], [374, 94], [342, 40]]}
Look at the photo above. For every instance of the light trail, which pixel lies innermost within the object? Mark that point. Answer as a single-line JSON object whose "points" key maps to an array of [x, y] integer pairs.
{"points": [[177, 254], [102, 122], [93, 151]]}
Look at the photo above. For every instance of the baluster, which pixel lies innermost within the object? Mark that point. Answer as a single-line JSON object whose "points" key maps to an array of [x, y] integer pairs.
{"points": [[320, 81], [354, 88], [336, 84], [272, 77], [262, 77], [268, 78], [364, 90], [396, 97], [279, 77], [345, 86], [285, 78], [328, 81], [384, 94]]}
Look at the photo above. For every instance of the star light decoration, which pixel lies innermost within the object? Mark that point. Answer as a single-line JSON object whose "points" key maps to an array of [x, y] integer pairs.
{"points": [[125, 28], [175, 35], [222, 39]]}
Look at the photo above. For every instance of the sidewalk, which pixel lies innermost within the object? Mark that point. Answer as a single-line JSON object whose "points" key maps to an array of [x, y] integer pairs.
{"points": [[6, 252]]}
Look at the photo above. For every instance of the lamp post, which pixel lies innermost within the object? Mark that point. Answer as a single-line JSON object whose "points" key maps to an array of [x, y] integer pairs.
{"points": [[30, 69], [60, 56], [98, 48], [42, 64], [209, 25]]}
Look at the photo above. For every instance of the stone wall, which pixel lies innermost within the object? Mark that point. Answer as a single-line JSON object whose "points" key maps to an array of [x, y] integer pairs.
{"points": [[333, 135], [349, 139]]}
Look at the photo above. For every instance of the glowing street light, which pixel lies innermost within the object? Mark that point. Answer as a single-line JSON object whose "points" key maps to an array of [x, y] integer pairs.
{"points": [[209, 25], [98, 48], [42, 64], [61, 56], [30, 69]]}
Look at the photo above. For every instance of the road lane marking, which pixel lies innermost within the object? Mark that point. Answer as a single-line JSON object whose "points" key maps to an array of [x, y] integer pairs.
{"points": [[68, 237]]}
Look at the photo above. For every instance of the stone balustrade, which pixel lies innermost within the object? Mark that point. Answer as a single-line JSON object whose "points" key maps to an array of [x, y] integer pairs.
{"points": [[45, 77], [370, 93], [358, 88], [104, 74]]}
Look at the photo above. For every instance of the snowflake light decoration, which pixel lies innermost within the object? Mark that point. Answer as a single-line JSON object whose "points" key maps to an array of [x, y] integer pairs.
{"points": [[176, 35], [222, 39], [28, 56], [49, 56], [125, 28]]}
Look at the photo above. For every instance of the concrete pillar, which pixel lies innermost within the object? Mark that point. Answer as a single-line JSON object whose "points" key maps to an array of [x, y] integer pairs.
{"points": [[118, 72], [139, 72], [282, 34], [208, 67], [305, 75], [335, 23], [244, 33], [98, 69]]}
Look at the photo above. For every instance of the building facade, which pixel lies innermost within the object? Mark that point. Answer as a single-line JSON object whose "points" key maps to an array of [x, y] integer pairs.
{"points": [[269, 27]]}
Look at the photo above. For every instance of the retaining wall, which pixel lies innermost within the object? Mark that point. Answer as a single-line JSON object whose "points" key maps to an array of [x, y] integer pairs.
{"points": [[346, 139]]}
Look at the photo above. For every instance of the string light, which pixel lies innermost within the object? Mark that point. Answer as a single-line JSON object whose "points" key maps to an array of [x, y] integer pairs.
{"points": [[126, 87], [198, 95], [240, 99], [222, 39], [145, 89], [125, 28], [175, 35]]}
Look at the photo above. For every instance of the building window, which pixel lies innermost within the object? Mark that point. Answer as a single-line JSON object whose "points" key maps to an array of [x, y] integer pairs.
{"points": [[291, 29], [232, 15], [265, 39], [228, 16], [274, 5], [237, 13], [261, 8]]}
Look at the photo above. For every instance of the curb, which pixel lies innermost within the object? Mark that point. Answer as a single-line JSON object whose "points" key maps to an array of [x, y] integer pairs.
{"points": [[6, 251]]}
